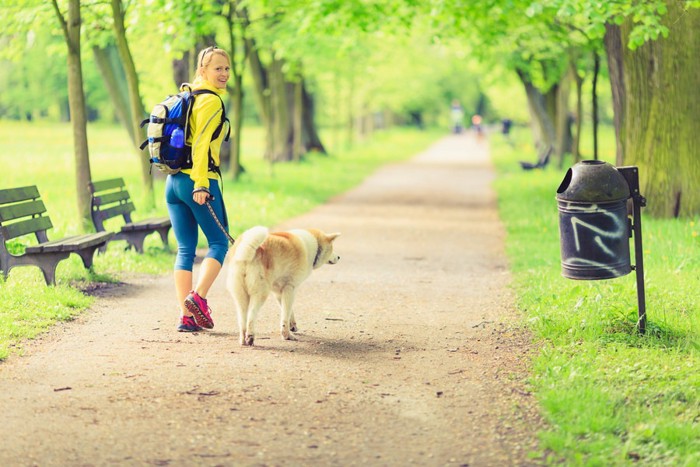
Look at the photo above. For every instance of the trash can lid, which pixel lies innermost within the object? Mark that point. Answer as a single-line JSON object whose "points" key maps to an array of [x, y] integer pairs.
{"points": [[593, 181]]}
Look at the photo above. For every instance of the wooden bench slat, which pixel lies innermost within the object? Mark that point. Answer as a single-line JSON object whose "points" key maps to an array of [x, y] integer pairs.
{"points": [[147, 224], [17, 229], [117, 210], [87, 240], [103, 185], [15, 211], [14, 195], [70, 244], [109, 198]]}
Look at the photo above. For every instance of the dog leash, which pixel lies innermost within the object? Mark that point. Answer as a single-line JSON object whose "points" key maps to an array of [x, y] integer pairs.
{"points": [[218, 222], [213, 214]]}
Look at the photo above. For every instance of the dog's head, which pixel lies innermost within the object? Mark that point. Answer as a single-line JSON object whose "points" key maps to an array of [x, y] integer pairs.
{"points": [[325, 254]]}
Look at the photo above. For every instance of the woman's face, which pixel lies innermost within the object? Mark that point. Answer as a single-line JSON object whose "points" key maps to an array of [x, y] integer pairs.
{"points": [[217, 71]]}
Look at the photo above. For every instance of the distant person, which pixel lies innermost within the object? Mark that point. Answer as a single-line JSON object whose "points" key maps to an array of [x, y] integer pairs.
{"points": [[456, 116], [476, 123], [187, 191], [506, 123]]}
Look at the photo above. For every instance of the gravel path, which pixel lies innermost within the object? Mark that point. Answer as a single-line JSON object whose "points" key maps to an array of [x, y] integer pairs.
{"points": [[407, 353]]}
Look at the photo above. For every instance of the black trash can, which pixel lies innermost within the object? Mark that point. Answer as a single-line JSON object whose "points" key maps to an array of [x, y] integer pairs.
{"points": [[594, 226]]}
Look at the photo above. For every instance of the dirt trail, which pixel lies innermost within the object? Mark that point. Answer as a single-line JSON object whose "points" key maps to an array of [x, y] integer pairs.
{"points": [[405, 354]]}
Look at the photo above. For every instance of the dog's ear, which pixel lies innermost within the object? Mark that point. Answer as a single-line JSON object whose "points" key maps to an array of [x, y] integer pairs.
{"points": [[332, 236]]}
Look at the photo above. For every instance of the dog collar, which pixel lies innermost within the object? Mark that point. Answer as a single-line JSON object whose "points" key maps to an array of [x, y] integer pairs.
{"points": [[318, 253]]}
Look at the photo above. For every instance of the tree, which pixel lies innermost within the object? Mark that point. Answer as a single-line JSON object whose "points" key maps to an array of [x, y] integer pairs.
{"points": [[136, 108], [70, 26], [651, 49], [651, 53], [112, 72], [229, 11], [32, 68], [655, 88], [281, 42], [526, 37]]}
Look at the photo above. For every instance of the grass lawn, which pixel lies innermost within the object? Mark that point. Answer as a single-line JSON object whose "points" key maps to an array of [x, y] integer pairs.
{"points": [[610, 396]]}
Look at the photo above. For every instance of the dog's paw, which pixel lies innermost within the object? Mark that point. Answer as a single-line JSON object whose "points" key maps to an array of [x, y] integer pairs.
{"points": [[286, 335], [293, 326], [248, 340]]}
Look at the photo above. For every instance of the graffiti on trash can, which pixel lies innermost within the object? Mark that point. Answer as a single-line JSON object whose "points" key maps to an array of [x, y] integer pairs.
{"points": [[600, 239], [619, 232]]}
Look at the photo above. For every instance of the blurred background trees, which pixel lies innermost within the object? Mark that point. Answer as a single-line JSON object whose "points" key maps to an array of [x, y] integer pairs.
{"points": [[321, 74]]}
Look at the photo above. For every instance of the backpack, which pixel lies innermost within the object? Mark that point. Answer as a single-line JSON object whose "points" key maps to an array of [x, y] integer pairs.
{"points": [[168, 130]]}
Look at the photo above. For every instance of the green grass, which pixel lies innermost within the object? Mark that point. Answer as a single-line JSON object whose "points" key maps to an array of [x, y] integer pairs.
{"points": [[41, 154], [610, 396]]}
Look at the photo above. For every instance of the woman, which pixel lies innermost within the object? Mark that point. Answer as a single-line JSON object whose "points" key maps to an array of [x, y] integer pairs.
{"points": [[187, 191]]}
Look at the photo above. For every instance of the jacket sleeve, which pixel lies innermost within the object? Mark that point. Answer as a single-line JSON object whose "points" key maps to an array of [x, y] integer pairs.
{"points": [[205, 117]]}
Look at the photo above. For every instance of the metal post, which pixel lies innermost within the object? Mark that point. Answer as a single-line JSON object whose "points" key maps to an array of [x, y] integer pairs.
{"points": [[631, 174]]}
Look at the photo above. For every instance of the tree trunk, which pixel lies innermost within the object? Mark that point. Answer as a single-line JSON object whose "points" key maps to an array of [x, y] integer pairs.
{"points": [[297, 120], [113, 75], [182, 69], [236, 114], [280, 100], [78, 113], [260, 83], [236, 118], [136, 105], [312, 141], [614, 48], [351, 109], [542, 124], [576, 144], [594, 99], [659, 106], [337, 112], [563, 118], [262, 96]]}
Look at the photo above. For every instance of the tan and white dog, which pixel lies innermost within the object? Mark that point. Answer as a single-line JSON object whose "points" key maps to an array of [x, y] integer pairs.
{"points": [[278, 262]]}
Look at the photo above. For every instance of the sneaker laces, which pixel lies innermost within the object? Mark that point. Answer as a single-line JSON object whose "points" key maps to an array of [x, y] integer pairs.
{"points": [[204, 301]]}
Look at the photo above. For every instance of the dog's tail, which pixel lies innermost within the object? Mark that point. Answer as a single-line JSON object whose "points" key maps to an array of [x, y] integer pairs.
{"points": [[249, 242]]}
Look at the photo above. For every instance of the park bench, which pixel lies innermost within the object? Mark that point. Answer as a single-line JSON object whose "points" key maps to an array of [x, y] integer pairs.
{"points": [[111, 199], [541, 163], [22, 212]]}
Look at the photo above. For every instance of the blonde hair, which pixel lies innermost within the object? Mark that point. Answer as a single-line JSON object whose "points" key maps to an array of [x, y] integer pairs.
{"points": [[206, 55]]}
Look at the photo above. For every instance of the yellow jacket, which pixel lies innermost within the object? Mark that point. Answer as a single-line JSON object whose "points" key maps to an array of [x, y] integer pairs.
{"points": [[205, 117]]}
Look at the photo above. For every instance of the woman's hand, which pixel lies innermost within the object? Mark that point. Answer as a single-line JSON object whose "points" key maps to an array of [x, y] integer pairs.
{"points": [[200, 195]]}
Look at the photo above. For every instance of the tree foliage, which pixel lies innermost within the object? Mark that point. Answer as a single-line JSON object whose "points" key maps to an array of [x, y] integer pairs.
{"points": [[352, 64]]}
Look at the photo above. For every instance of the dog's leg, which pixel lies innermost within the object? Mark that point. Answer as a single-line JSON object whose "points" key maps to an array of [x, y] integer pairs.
{"points": [[242, 303], [292, 322], [286, 300], [255, 304]]}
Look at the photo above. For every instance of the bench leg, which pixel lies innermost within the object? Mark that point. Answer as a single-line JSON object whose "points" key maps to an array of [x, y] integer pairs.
{"points": [[49, 272], [47, 262], [136, 239], [4, 265], [87, 255]]}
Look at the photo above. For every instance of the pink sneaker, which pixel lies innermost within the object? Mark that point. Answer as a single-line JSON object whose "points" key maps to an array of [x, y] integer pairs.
{"points": [[199, 309], [187, 324]]}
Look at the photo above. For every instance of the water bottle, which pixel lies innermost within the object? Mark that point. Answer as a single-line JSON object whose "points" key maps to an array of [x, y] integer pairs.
{"points": [[177, 138]]}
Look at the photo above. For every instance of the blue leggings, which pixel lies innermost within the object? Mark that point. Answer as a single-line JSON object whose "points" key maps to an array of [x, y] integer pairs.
{"points": [[187, 217]]}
